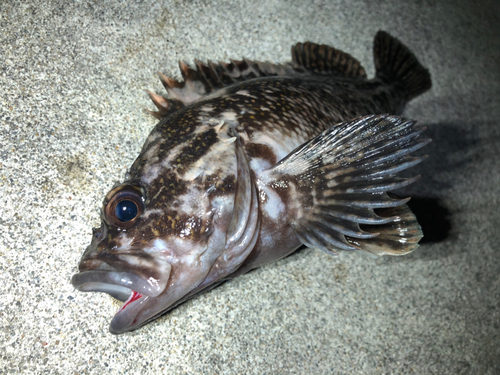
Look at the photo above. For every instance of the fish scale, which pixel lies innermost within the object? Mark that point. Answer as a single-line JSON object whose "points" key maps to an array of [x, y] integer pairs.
{"points": [[250, 161]]}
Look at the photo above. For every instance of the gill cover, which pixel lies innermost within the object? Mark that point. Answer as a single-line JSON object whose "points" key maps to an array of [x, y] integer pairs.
{"points": [[236, 229]]}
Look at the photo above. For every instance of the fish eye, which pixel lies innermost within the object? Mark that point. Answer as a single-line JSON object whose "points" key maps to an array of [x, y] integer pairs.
{"points": [[124, 206], [126, 210]]}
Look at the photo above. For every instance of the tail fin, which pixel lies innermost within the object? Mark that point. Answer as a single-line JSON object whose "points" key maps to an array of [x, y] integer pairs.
{"points": [[395, 63]]}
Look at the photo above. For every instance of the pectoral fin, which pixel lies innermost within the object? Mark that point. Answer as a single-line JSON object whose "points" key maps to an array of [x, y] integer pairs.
{"points": [[337, 186]]}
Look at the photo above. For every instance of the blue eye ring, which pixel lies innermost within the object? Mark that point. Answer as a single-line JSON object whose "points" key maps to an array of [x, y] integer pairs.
{"points": [[124, 206]]}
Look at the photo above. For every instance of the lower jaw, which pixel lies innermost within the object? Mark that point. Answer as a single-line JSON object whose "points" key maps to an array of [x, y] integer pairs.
{"points": [[134, 296], [125, 318]]}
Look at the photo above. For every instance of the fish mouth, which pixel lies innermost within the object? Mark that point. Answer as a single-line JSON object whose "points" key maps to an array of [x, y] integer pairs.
{"points": [[117, 284], [131, 289]]}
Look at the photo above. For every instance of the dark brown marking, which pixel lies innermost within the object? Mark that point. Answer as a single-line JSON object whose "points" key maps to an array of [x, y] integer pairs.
{"points": [[195, 149], [257, 150]]}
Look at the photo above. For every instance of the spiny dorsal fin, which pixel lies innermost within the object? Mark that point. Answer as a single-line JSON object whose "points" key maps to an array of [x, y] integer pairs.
{"points": [[325, 60], [395, 63], [165, 106], [206, 78], [341, 180]]}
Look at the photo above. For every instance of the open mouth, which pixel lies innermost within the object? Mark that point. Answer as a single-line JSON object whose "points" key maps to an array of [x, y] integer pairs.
{"points": [[127, 287], [134, 296]]}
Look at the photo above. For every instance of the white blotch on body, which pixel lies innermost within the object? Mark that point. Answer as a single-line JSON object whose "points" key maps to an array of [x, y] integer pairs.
{"points": [[147, 213], [193, 202], [273, 205], [207, 108], [151, 153], [220, 157], [151, 172], [152, 137], [274, 139], [245, 93], [124, 242], [229, 116], [258, 165]]}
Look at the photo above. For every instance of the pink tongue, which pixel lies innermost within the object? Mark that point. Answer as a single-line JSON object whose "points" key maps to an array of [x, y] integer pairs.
{"points": [[134, 296]]}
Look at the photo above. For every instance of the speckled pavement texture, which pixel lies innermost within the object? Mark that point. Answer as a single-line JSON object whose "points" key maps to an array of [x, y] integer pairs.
{"points": [[72, 88]]}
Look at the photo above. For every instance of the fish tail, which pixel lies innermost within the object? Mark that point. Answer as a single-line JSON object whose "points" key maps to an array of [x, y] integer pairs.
{"points": [[396, 64]]}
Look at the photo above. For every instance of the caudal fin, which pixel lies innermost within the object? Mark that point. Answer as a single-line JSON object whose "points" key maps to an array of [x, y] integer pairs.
{"points": [[395, 63]]}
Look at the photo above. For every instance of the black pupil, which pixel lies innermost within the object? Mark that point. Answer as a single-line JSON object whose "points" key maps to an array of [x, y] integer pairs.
{"points": [[126, 210]]}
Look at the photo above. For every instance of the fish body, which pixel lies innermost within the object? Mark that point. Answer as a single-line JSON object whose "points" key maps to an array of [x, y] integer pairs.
{"points": [[249, 162]]}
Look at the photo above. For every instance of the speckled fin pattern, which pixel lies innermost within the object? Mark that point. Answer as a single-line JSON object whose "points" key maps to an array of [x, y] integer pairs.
{"points": [[323, 59], [343, 176], [307, 58]]}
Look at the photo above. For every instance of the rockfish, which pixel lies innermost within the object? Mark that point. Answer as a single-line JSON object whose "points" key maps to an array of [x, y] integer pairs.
{"points": [[249, 162]]}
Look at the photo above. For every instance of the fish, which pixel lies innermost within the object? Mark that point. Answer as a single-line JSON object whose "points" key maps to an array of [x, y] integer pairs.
{"points": [[249, 162]]}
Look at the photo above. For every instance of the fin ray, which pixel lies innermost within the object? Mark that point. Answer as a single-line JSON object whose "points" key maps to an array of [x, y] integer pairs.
{"points": [[311, 240], [307, 58], [395, 63], [353, 214], [325, 60], [342, 180], [345, 227], [165, 106], [398, 237], [206, 78]]}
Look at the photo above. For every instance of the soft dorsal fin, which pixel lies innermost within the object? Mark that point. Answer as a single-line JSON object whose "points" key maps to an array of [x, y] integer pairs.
{"points": [[325, 60], [339, 183]]}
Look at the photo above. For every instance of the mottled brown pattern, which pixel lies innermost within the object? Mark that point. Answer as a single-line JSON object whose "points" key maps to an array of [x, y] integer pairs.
{"points": [[194, 150], [296, 106], [257, 150], [158, 225], [164, 190], [194, 176], [302, 105], [217, 186], [145, 271], [181, 225]]}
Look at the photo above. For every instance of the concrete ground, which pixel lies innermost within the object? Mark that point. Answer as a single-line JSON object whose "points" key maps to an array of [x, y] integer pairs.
{"points": [[72, 81]]}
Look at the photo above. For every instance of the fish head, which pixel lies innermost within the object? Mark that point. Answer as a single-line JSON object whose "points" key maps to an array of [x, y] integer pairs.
{"points": [[175, 227]]}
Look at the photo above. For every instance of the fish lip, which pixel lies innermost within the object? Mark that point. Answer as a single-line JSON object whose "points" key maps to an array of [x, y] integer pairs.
{"points": [[117, 284], [126, 318], [134, 291], [127, 287]]}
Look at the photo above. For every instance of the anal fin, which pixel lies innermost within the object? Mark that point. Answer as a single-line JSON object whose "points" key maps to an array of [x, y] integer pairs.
{"points": [[338, 186]]}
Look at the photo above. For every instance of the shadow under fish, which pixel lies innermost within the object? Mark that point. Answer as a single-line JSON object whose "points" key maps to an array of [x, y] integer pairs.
{"points": [[250, 161]]}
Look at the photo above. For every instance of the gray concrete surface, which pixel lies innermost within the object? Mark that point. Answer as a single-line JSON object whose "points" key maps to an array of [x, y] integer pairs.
{"points": [[72, 81]]}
